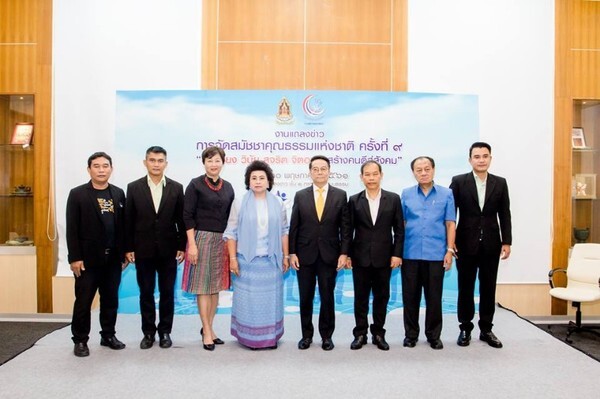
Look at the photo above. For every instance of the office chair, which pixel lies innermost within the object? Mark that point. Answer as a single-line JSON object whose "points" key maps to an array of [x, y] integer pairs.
{"points": [[583, 283]]}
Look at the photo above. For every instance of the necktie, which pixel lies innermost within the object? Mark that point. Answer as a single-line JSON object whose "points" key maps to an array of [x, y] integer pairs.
{"points": [[320, 203]]}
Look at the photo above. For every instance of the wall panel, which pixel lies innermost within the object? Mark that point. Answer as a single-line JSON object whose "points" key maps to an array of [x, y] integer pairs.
{"points": [[261, 20], [585, 66], [577, 76], [304, 44], [348, 67], [348, 21], [18, 65], [26, 68], [260, 66], [18, 21]]}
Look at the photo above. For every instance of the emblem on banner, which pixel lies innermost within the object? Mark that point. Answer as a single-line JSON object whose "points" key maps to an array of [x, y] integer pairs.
{"points": [[284, 112], [313, 107]]}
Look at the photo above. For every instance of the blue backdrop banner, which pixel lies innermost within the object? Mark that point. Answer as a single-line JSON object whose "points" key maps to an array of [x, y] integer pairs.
{"points": [[285, 129]]}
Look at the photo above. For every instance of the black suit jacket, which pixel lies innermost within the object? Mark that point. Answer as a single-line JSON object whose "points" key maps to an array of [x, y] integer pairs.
{"points": [[376, 244], [85, 230], [329, 237], [480, 227], [149, 232]]}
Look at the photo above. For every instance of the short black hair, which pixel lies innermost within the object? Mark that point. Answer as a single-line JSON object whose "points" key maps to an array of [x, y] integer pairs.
{"points": [[211, 152], [370, 161], [156, 149], [99, 154], [412, 164], [479, 144], [317, 157], [257, 166]]}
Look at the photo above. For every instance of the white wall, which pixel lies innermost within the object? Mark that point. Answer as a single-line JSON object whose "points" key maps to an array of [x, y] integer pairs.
{"points": [[103, 46], [501, 50]]}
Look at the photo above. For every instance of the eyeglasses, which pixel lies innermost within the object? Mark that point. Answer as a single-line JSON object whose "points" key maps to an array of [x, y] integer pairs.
{"points": [[317, 170]]}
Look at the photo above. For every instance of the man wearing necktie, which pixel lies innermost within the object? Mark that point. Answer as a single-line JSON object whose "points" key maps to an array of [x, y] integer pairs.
{"points": [[319, 244]]}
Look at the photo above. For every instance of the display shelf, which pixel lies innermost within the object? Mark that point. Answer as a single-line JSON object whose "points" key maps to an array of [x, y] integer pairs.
{"points": [[585, 171], [16, 170]]}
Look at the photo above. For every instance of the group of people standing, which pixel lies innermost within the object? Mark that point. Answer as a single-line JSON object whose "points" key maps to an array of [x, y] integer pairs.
{"points": [[248, 244]]}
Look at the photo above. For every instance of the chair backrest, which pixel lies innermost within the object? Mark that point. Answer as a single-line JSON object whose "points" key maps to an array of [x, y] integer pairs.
{"points": [[584, 266]]}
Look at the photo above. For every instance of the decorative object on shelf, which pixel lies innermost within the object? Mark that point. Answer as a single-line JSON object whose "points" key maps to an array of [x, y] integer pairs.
{"points": [[581, 235], [578, 137], [22, 134], [585, 186], [21, 190], [18, 240]]}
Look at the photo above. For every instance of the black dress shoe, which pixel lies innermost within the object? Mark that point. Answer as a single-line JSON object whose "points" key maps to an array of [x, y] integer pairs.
{"points": [[464, 338], [165, 341], [208, 347], [379, 340], [327, 344], [147, 341], [358, 342], [491, 339], [216, 341], [409, 342], [81, 349], [112, 343], [436, 344], [304, 343]]}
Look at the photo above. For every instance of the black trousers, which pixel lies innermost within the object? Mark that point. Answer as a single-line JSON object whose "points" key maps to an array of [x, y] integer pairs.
{"points": [[468, 267], [426, 276], [367, 280], [104, 277], [308, 276], [146, 272]]}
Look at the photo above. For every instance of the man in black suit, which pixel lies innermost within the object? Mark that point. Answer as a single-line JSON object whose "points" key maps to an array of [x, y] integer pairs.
{"points": [[319, 243], [378, 224], [95, 242], [155, 242], [482, 201]]}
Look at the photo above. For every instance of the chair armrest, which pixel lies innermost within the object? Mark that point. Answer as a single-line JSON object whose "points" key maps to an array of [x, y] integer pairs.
{"points": [[551, 274]]}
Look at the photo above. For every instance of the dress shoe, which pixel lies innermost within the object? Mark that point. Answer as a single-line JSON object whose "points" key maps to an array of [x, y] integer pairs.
{"points": [[147, 341], [216, 341], [304, 343], [491, 339], [358, 342], [436, 344], [165, 341], [409, 342], [208, 347], [327, 344], [112, 343], [81, 349], [464, 338], [379, 340]]}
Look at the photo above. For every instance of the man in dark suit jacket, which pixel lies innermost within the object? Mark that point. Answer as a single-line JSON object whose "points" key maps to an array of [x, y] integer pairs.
{"points": [[155, 242], [95, 242], [319, 243], [482, 201], [378, 224]]}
